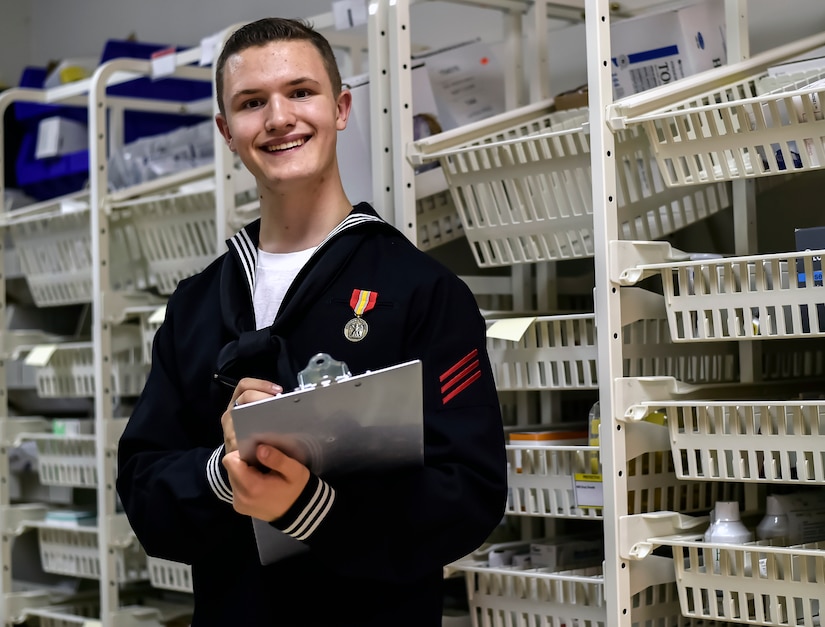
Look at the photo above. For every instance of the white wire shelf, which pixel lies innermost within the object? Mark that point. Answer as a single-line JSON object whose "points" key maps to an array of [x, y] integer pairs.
{"points": [[158, 239], [74, 551], [70, 460], [500, 597], [756, 583], [746, 440], [67, 370], [751, 297], [560, 352], [436, 216], [733, 122], [541, 482], [521, 184], [168, 575], [509, 597]]}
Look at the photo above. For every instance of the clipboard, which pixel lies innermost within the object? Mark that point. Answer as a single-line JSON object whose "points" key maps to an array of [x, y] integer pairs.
{"points": [[370, 422]]}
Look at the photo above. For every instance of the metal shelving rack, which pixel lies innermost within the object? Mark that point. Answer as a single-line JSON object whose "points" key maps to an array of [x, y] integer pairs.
{"points": [[171, 227], [700, 131], [107, 552], [693, 133]]}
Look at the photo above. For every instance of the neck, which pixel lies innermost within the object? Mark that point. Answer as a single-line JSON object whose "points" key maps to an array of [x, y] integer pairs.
{"points": [[293, 222]]}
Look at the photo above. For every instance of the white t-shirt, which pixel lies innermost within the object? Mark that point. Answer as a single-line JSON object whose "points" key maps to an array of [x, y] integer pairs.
{"points": [[274, 273]]}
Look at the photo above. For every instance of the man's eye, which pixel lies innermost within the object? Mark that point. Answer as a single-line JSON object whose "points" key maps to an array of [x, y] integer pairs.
{"points": [[253, 103], [302, 93]]}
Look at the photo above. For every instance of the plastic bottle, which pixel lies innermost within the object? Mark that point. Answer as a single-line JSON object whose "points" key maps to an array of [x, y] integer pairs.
{"points": [[593, 427], [775, 522], [727, 528]]}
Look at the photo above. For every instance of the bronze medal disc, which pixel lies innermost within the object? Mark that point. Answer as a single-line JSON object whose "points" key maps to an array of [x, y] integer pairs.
{"points": [[356, 329]]}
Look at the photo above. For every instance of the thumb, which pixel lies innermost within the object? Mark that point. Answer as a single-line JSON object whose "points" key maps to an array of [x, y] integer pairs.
{"points": [[277, 460], [269, 456]]}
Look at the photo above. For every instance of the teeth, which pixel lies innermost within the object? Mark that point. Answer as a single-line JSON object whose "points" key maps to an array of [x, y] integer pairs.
{"points": [[292, 144]]}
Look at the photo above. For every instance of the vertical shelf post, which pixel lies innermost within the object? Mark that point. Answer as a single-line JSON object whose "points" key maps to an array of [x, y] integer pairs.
{"points": [[102, 340], [607, 308]]}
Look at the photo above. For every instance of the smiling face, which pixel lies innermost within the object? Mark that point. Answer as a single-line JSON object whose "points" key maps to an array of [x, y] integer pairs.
{"points": [[282, 116]]}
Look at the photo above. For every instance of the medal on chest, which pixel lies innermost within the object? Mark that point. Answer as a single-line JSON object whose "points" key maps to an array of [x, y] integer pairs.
{"points": [[361, 302]]}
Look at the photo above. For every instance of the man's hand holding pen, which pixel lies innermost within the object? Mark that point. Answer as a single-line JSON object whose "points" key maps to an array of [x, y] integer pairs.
{"points": [[246, 390]]}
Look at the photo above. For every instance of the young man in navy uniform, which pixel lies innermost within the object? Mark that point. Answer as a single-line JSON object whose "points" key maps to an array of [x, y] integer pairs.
{"points": [[313, 274]]}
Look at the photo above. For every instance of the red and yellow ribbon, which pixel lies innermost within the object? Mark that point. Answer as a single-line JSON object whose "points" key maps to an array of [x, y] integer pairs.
{"points": [[362, 301]]}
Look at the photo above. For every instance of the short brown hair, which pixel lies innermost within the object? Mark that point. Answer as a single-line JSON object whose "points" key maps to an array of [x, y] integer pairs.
{"points": [[269, 29]]}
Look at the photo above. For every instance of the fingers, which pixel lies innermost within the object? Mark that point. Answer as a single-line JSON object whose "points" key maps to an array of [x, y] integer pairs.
{"points": [[280, 462], [265, 495], [249, 390]]}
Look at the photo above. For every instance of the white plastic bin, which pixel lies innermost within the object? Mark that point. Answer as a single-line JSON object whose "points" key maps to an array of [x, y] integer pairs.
{"points": [[521, 184]]}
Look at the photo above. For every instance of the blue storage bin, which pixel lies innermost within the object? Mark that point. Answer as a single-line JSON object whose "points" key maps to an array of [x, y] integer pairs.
{"points": [[179, 89], [47, 178], [31, 112]]}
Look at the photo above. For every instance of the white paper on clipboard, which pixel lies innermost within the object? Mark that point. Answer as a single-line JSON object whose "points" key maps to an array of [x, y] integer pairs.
{"points": [[370, 422]]}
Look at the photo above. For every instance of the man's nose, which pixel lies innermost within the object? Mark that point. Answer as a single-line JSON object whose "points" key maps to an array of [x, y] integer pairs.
{"points": [[280, 114]]}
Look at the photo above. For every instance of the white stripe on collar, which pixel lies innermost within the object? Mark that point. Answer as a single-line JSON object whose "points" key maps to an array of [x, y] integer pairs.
{"points": [[248, 250]]}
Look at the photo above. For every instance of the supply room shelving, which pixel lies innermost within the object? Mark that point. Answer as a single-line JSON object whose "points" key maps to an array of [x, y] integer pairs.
{"points": [[521, 183], [634, 586], [120, 253], [501, 171], [727, 124]]}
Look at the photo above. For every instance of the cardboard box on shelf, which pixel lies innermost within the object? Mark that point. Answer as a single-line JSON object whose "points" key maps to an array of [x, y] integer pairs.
{"points": [[354, 142], [656, 49], [467, 81], [566, 552]]}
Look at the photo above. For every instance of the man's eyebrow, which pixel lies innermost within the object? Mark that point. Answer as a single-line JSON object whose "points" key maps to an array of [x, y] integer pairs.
{"points": [[294, 82], [303, 79]]}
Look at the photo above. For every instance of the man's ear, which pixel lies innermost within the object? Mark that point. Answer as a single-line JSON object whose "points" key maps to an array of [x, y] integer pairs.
{"points": [[344, 107], [223, 127]]}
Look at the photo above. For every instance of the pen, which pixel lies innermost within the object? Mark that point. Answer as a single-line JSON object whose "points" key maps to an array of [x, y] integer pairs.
{"points": [[227, 381]]}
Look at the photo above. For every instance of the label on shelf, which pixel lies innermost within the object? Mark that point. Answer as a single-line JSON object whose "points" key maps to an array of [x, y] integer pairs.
{"points": [[588, 489]]}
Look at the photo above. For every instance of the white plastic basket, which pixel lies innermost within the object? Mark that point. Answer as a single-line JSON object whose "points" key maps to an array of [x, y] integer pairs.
{"points": [[508, 597], [793, 359], [64, 615], [751, 297], [177, 235], [150, 322], [541, 482], [501, 597], [87, 614], [69, 371], [169, 575], [66, 460], [74, 551], [56, 255], [748, 440], [437, 220], [521, 183], [754, 583], [751, 127], [554, 352], [560, 352]]}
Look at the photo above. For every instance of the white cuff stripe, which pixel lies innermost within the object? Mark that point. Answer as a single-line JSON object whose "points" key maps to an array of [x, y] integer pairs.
{"points": [[298, 521], [214, 477], [319, 517], [314, 513]]}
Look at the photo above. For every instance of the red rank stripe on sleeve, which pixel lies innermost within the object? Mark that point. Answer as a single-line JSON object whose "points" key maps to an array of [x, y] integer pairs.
{"points": [[460, 376]]}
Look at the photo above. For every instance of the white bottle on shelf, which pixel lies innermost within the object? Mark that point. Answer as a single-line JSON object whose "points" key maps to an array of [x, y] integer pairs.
{"points": [[727, 528], [775, 522]]}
